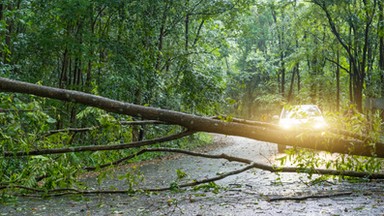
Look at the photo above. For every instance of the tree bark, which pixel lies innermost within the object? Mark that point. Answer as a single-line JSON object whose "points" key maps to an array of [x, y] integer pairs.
{"points": [[338, 81], [186, 33], [201, 124], [281, 38], [381, 45], [291, 86], [1, 35]]}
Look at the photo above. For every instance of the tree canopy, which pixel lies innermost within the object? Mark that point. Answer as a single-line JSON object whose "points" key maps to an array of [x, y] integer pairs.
{"points": [[195, 56]]}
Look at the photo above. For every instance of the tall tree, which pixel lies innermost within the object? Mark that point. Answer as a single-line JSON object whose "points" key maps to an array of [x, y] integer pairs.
{"points": [[351, 23], [380, 30]]}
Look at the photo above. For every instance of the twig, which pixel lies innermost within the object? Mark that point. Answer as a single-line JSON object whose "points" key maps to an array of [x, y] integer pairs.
{"points": [[317, 196], [73, 130], [203, 181], [86, 129]]}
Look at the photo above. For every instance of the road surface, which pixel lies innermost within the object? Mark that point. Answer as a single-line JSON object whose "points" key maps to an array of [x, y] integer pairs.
{"points": [[248, 193]]}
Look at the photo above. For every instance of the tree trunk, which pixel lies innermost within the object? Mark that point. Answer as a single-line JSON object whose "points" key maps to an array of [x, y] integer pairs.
{"points": [[202, 124], [186, 33], [356, 50], [350, 86], [162, 33], [381, 45], [291, 86], [281, 75], [6, 37], [1, 35], [358, 92], [298, 81], [138, 130], [338, 81]]}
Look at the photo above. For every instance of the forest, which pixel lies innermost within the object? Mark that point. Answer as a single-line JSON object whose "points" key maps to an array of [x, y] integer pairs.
{"points": [[223, 59]]}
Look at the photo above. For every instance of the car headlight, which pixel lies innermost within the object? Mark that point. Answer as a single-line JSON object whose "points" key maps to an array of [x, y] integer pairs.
{"points": [[320, 124], [287, 123]]}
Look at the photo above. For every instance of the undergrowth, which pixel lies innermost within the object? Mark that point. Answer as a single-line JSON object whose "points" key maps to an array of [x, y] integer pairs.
{"points": [[369, 126], [27, 126]]}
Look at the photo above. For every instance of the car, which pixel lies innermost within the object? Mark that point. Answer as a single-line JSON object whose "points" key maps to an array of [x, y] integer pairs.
{"points": [[301, 118], [307, 117]]}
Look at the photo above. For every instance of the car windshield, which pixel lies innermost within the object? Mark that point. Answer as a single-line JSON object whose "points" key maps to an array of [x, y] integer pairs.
{"points": [[301, 112]]}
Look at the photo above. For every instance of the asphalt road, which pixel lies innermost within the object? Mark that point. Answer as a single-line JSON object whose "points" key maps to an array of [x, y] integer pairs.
{"points": [[248, 193]]}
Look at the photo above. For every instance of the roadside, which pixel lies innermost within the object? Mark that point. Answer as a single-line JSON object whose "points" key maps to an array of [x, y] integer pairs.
{"points": [[248, 193]]}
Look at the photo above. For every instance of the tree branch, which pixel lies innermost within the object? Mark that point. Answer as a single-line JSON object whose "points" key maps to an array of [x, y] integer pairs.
{"points": [[332, 25], [144, 122], [348, 71], [314, 196], [78, 130], [98, 148], [275, 126], [200, 124], [262, 166], [73, 130], [251, 165]]}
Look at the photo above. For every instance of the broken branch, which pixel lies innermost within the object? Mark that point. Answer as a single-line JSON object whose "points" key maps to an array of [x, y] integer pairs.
{"points": [[254, 164], [98, 148]]}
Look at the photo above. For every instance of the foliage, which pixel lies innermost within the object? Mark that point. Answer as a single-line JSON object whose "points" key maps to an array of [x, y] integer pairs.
{"points": [[132, 178], [208, 187], [354, 122], [242, 58], [29, 128], [180, 174], [25, 124], [288, 51]]}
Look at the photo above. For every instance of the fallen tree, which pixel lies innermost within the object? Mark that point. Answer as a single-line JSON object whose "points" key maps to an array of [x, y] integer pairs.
{"points": [[326, 142], [333, 141]]}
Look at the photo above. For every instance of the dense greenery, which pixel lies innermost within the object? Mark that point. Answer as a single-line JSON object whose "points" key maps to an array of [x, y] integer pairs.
{"points": [[244, 58], [194, 56]]}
